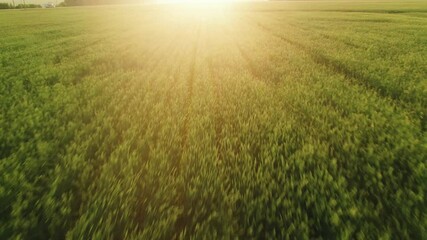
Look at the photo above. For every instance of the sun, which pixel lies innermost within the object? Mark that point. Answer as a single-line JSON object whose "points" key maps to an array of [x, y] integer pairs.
{"points": [[195, 2], [202, 9]]}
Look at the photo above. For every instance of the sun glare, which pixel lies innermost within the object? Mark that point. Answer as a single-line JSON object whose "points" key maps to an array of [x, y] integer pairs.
{"points": [[195, 2], [202, 10]]}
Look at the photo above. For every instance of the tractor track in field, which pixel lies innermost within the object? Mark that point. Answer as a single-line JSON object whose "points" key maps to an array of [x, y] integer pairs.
{"points": [[403, 102], [255, 71], [190, 86], [181, 224], [349, 75], [218, 119], [250, 63], [133, 87], [335, 66], [217, 114]]}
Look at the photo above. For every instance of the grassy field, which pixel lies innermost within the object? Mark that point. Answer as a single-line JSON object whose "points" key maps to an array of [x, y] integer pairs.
{"points": [[247, 120]]}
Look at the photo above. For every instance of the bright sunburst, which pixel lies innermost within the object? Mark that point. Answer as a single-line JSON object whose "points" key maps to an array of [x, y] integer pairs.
{"points": [[195, 2]]}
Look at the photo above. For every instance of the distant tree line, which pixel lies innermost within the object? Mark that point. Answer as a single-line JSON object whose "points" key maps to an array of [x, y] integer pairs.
{"points": [[67, 3], [70, 3], [11, 6], [96, 2]]}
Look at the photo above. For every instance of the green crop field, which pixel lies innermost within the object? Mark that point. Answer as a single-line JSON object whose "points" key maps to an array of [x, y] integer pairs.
{"points": [[262, 120]]}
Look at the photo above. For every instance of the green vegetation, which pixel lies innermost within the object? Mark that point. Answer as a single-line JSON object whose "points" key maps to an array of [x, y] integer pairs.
{"points": [[10, 6], [249, 120], [5, 6], [104, 2]]}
